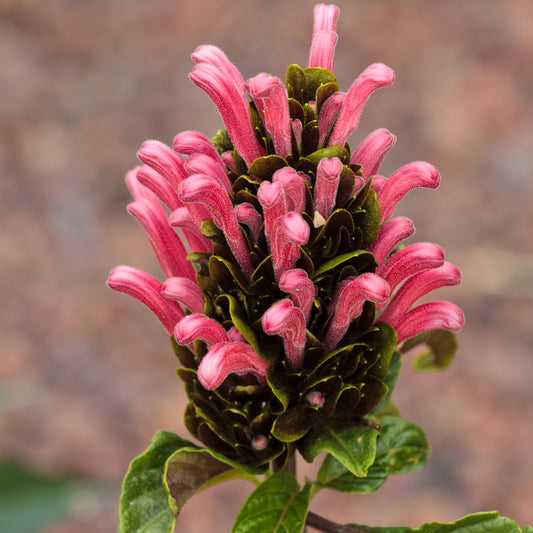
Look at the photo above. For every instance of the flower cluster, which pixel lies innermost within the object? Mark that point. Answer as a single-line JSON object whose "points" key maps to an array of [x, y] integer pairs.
{"points": [[287, 288]]}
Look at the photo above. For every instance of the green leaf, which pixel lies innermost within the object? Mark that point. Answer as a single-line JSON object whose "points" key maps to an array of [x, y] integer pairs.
{"points": [[276, 506], [315, 77], [191, 470], [330, 151], [442, 345], [404, 444], [343, 258], [354, 446], [490, 522], [401, 448], [265, 167], [291, 425], [143, 503], [238, 319], [333, 475]]}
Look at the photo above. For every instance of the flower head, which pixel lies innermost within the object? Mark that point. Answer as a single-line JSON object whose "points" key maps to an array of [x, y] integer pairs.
{"points": [[291, 289]]}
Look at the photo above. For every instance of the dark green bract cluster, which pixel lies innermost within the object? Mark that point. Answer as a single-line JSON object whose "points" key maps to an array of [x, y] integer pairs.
{"points": [[348, 381]]}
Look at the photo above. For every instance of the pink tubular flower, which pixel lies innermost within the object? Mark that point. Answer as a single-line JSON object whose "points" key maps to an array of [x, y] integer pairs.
{"points": [[390, 235], [204, 190], [203, 164], [219, 78], [181, 218], [302, 290], [147, 290], [290, 232], [166, 244], [247, 214], [371, 152], [293, 186], [287, 321], [152, 180], [137, 189], [194, 142], [329, 114], [327, 182], [163, 160], [417, 174], [272, 199], [417, 286], [184, 291], [305, 248], [198, 326], [373, 77], [322, 52], [348, 303], [270, 97], [411, 260], [433, 315], [228, 358]]}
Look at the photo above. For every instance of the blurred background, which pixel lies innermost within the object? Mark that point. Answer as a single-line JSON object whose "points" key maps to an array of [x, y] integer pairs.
{"points": [[87, 375]]}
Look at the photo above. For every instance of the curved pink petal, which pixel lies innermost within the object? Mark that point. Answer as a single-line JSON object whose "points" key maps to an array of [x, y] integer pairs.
{"points": [[137, 189], [302, 290], [184, 291], [290, 232], [247, 214], [199, 327], [206, 191], [390, 235], [270, 97], [181, 218], [203, 164], [220, 79], [287, 321], [372, 78], [417, 286], [167, 245], [152, 180], [410, 260], [147, 290], [372, 150], [327, 182], [348, 303], [433, 315], [294, 186], [163, 160], [271, 196], [194, 142], [228, 358], [416, 174], [328, 115]]}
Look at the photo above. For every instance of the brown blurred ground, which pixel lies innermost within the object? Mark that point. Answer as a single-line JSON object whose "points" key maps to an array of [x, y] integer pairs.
{"points": [[87, 375]]}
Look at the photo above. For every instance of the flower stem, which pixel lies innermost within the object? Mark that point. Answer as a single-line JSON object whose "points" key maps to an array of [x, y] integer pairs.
{"points": [[327, 526]]}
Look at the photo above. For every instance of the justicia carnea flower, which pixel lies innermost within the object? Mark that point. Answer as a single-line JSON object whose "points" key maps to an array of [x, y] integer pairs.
{"points": [[287, 287]]}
